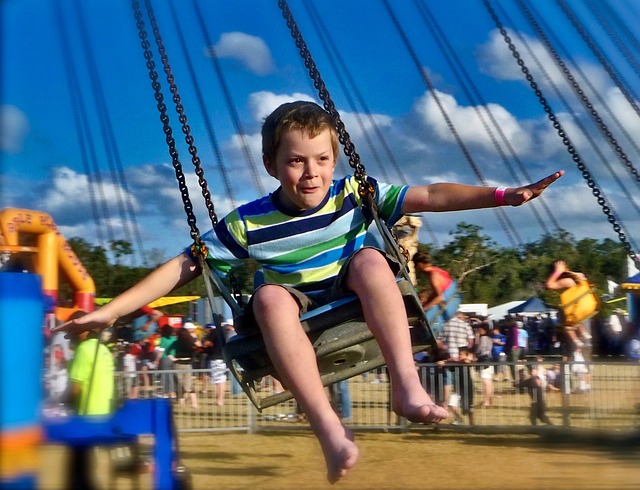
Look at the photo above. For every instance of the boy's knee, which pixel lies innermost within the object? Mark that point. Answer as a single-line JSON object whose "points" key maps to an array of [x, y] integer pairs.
{"points": [[269, 295], [368, 260]]}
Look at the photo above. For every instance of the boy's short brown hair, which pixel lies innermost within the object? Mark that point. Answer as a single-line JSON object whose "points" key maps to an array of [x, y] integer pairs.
{"points": [[300, 115]]}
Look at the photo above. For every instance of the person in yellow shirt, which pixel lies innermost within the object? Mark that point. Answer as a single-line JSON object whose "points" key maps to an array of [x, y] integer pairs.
{"points": [[91, 377]]}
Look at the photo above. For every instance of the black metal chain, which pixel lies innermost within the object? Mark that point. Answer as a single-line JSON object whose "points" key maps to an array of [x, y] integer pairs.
{"points": [[198, 247], [365, 187], [182, 116], [617, 78], [577, 89], [565, 139]]}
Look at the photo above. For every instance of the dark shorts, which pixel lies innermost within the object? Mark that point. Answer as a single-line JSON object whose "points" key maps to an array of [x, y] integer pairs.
{"points": [[247, 325]]}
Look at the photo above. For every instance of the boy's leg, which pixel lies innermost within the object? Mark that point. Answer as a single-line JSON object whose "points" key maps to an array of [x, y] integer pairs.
{"points": [[371, 278], [291, 352]]}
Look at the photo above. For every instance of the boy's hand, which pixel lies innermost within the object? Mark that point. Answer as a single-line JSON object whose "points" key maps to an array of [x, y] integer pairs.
{"points": [[515, 196], [96, 320]]}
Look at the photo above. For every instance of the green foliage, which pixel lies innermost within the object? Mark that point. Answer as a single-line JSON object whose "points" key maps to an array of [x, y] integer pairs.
{"points": [[489, 274], [485, 272]]}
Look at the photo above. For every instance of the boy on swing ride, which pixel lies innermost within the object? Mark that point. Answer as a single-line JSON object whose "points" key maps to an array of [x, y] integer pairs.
{"points": [[308, 236]]}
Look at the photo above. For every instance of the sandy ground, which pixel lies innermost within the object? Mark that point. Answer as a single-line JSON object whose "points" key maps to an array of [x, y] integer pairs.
{"points": [[420, 459]]}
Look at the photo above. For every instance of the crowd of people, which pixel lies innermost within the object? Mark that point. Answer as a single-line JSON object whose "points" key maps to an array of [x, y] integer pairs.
{"points": [[165, 361], [510, 349]]}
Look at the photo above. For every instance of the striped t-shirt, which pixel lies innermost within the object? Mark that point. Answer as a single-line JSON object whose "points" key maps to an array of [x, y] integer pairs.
{"points": [[303, 249]]}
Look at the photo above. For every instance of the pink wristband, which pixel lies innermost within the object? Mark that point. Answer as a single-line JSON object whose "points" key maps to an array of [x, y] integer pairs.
{"points": [[498, 195]]}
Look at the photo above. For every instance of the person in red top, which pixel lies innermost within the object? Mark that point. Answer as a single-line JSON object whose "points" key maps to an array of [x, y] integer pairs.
{"points": [[439, 279]]}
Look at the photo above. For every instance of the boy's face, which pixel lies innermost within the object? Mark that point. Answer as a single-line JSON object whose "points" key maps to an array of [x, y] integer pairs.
{"points": [[304, 166]]}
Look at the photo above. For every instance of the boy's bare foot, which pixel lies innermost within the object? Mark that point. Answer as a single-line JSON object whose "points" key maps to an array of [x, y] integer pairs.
{"points": [[424, 414], [340, 455], [419, 409]]}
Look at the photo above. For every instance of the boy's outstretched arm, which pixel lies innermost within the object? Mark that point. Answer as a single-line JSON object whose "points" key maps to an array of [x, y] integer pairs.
{"points": [[171, 275], [459, 197]]}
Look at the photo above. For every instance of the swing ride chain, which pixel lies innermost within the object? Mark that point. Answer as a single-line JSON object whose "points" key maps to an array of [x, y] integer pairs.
{"points": [[365, 188], [580, 93], [620, 81], [565, 139], [198, 246]]}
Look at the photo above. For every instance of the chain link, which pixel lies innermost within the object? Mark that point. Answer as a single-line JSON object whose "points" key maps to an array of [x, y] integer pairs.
{"points": [[577, 89], [618, 79], [186, 129], [360, 174], [565, 139], [198, 246], [366, 189]]}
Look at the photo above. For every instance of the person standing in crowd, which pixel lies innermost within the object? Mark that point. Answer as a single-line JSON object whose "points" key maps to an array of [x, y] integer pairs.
{"points": [[92, 389], [456, 335], [130, 366], [341, 399], [212, 346], [58, 376], [164, 364], [483, 347], [182, 353], [536, 391], [498, 354], [519, 345], [461, 397], [553, 378]]}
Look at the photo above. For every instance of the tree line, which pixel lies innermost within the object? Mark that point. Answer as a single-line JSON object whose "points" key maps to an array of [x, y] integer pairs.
{"points": [[486, 272]]}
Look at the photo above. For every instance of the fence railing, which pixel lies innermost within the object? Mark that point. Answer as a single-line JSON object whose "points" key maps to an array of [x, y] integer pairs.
{"points": [[597, 394]]}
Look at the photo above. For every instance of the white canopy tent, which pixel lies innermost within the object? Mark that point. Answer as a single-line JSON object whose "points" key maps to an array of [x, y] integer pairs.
{"points": [[500, 311]]}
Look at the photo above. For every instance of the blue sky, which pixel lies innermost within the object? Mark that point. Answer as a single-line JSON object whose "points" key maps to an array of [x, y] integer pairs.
{"points": [[50, 165]]}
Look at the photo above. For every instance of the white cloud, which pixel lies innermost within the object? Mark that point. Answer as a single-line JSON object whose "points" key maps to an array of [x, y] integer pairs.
{"points": [[625, 114], [14, 127], [250, 51], [69, 195], [496, 60], [263, 103], [468, 123], [357, 124]]}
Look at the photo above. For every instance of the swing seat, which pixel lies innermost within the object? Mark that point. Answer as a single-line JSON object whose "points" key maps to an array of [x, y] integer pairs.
{"points": [[343, 344], [439, 314], [578, 303]]}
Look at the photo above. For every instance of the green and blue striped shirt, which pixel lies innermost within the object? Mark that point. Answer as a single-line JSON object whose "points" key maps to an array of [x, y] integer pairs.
{"points": [[302, 249]]}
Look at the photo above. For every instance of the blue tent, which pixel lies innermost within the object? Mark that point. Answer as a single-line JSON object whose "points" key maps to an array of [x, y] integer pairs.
{"points": [[532, 305]]}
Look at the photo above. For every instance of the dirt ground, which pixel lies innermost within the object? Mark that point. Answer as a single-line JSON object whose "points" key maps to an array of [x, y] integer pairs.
{"points": [[418, 459]]}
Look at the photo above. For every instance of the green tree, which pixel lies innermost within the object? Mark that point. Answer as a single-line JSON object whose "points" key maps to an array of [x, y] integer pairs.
{"points": [[120, 248]]}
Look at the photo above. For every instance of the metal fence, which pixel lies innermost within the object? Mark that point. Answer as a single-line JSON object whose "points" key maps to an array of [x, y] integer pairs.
{"points": [[597, 394]]}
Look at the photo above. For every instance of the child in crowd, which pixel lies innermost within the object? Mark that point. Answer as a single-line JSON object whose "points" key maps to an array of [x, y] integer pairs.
{"points": [[536, 392], [461, 398], [308, 236]]}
